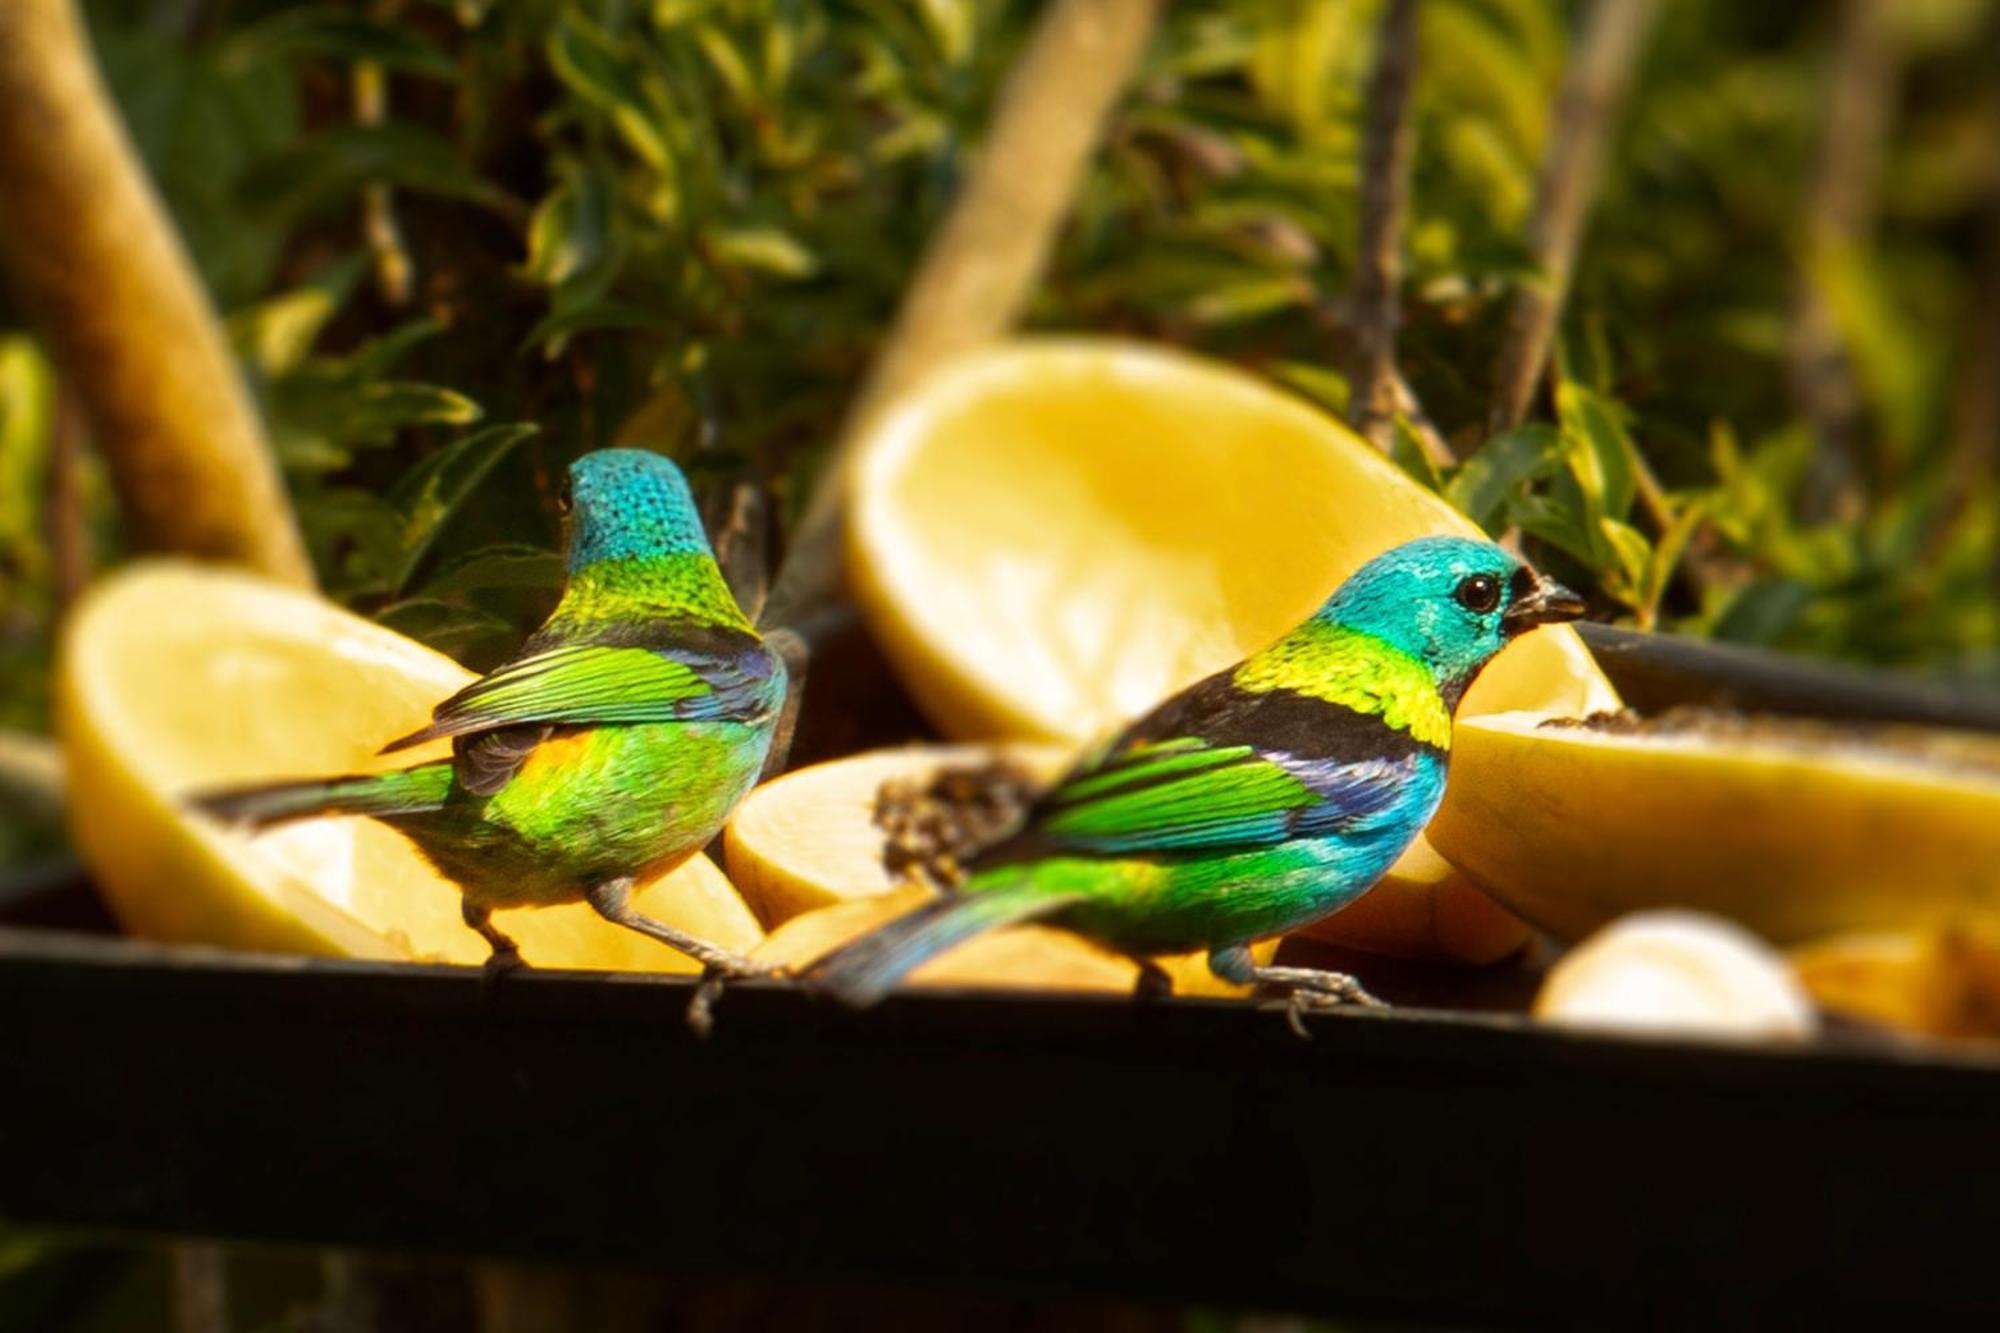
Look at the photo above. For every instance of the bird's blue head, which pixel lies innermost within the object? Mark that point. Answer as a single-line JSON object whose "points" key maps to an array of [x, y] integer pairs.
{"points": [[1449, 602], [628, 504]]}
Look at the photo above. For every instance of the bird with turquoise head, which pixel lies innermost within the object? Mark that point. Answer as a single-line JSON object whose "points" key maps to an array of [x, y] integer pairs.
{"points": [[1256, 801], [611, 747]]}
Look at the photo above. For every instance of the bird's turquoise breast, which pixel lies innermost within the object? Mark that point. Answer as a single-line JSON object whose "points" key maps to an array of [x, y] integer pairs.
{"points": [[595, 804]]}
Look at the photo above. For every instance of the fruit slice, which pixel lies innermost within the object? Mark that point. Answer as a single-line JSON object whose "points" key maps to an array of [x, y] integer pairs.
{"points": [[1050, 536], [1795, 830], [808, 840], [175, 677], [1023, 957]]}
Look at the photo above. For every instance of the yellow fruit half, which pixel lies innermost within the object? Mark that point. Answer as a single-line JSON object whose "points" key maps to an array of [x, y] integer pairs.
{"points": [[1793, 837], [1051, 536], [175, 678], [807, 855]]}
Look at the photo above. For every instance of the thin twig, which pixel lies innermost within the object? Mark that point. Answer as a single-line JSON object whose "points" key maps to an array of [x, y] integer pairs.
{"points": [[67, 524], [742, 544], [1332, 320], [395, 273], [1840, 206], [981, 267], [1600, 69], [1375, 296], [1973, 464]]}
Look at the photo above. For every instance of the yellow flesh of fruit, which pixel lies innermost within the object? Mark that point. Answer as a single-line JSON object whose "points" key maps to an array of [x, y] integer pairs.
{"points": [[176, 678], [1571, 828], [1052, 536]]}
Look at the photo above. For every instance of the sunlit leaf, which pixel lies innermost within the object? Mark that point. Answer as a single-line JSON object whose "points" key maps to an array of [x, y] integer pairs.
{"points": [[766, 249], [1598, 450]]}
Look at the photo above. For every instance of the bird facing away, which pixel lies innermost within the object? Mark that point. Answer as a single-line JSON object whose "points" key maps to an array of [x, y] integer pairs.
{"points": [[610, 748], [1254, 802]]}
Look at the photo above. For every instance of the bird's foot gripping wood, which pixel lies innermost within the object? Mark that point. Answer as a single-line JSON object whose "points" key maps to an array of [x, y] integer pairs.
{"points": [[1153, 982], [612, 901], [506, 955], [1304, 988]]}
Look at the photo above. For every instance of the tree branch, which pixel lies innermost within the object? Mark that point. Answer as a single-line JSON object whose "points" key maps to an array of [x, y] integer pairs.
{"points": [[95, 260], [1375, 295], [395, 273], [1839, 213], [982, 266], [1593, 90]]}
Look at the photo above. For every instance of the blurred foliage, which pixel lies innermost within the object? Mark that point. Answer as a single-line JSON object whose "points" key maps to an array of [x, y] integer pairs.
{"points": [[706, 209]]}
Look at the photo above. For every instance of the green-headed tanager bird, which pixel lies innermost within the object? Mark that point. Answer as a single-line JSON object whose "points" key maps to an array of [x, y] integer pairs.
{"points": [[1254, 802], [612, 747]]}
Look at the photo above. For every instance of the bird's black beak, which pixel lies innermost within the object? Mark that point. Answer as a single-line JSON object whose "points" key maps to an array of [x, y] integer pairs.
{"points": [[1538, 600]]}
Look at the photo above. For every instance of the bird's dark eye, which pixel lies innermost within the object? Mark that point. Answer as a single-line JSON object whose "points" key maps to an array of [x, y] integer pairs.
{"points": [[1478, 593], [565, 499]]}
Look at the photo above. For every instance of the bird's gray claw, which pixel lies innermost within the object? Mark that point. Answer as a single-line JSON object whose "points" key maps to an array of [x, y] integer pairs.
{"points": [[503, 962]]}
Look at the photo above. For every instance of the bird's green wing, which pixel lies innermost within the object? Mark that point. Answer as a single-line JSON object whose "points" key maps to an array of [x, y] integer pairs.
{"points": [[1186, 794], [597, 684], [1174, 795]]}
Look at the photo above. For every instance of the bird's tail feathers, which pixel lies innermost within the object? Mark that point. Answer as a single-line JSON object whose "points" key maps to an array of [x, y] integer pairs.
{"points": [[407, 791], [862, 971]]}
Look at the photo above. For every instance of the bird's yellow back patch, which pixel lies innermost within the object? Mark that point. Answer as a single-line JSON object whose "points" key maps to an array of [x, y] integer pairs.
{"points": [[1343, 666]]}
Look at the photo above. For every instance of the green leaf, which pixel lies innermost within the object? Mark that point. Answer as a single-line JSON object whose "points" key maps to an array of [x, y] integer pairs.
{"points": [[1764, 611], [587, 59], [1667, 553], [322, 412], [1327, 388], [436, 488], [1238, 300], [1597, 449], [570, 232], [1406, 451], [381, 409], [27, 423], [334, 32], [504, 566], [317, 175], [464, 632], [1480, 487], [1634, 555], [767, 249], [354, 536], [1896, 358], [375, 358]]}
